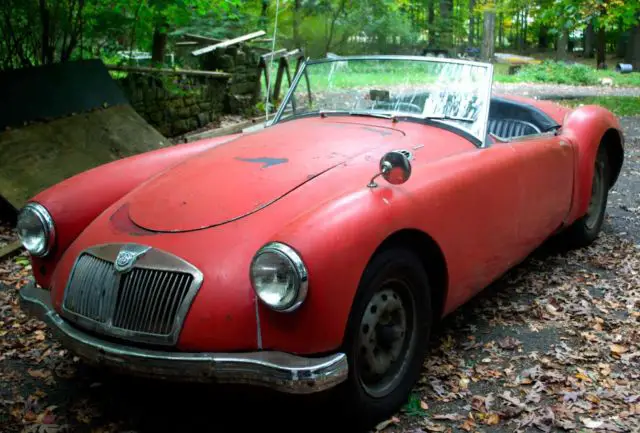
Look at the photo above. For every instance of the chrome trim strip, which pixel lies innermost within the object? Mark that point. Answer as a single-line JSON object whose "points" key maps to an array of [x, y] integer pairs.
{"points": [[258, 328], [276, 370], [487, 103], [153, 259]]}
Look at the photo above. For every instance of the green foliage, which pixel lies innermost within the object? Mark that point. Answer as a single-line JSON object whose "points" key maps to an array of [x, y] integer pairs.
{"points": [[619, 105], [550, 72], [413, 406], [558, 72]]}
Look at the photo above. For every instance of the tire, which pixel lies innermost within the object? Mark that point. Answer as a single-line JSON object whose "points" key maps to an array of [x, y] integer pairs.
{"points": [[585, 230], [394, 285]]}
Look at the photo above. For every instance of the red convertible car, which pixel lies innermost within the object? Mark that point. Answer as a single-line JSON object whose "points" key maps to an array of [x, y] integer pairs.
{"points": [[318, 252]]}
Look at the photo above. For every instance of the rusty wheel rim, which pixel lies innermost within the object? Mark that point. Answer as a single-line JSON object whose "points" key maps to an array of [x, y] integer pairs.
{"points": [[386, 338]]}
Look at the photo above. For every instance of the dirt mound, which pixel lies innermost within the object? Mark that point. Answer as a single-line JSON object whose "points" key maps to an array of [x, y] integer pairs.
{"points": [[37, 156]]}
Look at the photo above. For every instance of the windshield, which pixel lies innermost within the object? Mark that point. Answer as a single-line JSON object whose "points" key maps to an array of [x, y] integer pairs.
{"points": [[450, 91]]}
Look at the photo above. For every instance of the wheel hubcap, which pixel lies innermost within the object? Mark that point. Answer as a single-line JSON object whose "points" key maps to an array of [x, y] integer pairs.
{"points": [[385, 339]]}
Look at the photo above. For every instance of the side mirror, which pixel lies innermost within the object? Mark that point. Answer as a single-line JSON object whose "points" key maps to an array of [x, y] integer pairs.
{"points": [[395, 168]]}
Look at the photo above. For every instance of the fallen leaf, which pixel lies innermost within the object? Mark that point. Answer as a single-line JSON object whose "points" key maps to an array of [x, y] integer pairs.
{"points": [[384, 424], [509, 343], [492, 419], [448, 417], [592, 423], [618, 349]]}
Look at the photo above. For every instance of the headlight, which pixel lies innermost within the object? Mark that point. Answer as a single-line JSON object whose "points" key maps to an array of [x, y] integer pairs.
{"points": [[36, 230], [279, 277]]}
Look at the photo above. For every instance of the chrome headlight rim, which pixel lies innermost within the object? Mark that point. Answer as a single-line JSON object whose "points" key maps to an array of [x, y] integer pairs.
{"points": [[298, 266], [47, 224]]}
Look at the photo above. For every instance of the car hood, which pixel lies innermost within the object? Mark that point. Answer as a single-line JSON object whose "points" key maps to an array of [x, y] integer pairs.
{"points": [[249, 173]]}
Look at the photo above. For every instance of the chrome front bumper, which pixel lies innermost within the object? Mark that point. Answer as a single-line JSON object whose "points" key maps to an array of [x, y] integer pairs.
{"points": [[276, 370]]}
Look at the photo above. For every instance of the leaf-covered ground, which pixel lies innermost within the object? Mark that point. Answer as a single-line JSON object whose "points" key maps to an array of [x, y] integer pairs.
{"points": [[552, 346]]}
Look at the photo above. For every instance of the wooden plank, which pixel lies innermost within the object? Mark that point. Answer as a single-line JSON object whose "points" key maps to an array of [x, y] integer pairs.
{"points": [[293, 53], [10, 249], [229, 42], [200, 38], [186, 43], [228, 130], [275, 54], [168, 71], [208, 40]]}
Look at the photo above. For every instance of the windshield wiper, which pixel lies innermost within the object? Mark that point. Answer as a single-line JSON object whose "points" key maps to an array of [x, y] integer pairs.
{"points": [[447, 117], [356, 113]]}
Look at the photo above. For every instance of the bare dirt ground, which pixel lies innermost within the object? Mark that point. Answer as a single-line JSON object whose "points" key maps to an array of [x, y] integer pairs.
{"points": [[552, 346]]}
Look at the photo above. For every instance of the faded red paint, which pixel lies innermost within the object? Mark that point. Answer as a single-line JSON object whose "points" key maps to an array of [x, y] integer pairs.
{"points": [[487, 209]]}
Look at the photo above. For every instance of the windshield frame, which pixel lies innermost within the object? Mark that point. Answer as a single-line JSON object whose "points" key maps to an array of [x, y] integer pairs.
{"points": [[426, 119]]}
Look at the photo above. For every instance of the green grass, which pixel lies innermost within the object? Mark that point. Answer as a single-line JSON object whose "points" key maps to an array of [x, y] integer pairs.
{"points": [[619, 105], [550, 72]]}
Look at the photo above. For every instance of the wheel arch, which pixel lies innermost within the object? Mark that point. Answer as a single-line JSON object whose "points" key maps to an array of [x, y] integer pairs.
{"points": [[590, 127], [431, 257], [613, 140]]}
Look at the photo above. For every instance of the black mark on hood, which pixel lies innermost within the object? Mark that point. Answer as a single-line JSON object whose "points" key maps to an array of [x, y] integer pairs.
{"points": [[268, 162]]}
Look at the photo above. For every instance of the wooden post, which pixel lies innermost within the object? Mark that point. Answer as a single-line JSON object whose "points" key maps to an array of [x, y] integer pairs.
{"points": [[488, 38], [283, 68]]}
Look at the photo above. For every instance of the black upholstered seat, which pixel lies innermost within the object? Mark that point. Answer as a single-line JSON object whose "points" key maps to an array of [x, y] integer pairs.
{"points": [[510, 119], [510, 128]]}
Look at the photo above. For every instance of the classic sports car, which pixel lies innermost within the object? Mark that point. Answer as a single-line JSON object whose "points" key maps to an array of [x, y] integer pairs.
{"points": [[319, 251]]}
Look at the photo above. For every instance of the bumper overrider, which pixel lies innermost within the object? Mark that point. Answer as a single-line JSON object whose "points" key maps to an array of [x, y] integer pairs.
{"points": [[276, 370]]}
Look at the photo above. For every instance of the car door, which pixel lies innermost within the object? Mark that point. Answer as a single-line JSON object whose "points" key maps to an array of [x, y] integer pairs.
{"points": [[546, 176]]}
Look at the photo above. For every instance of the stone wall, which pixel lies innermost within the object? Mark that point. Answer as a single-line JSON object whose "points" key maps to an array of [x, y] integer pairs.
{"points": [[242, 63], [176, 104], [179, 103]]}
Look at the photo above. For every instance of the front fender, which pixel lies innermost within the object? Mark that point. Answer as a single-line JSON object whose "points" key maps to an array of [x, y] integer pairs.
{"points": [[75, 202], [336, 241], [586, 127]]}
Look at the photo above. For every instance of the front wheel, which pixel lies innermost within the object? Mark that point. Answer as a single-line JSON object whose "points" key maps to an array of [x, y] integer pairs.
{"points": [[585, 230], [386, 337]]}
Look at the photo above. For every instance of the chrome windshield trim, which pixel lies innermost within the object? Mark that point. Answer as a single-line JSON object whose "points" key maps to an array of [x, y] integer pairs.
{"points": [[487, 98], [280, 371]]}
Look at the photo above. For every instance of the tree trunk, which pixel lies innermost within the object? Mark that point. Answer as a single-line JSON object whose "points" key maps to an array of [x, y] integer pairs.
{"points": [[488, 37], [45, 17], [623, 39], [500, 29], [472, 22], [524, 30], [589, 37], [446, 26], [601, 48], [159, 46], [296, 24], [263, 13], [543, 37], [633, 47], [563, 42]]}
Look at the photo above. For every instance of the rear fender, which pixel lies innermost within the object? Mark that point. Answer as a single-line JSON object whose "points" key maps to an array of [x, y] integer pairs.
{"points": [[75, 202], [586, 127]]}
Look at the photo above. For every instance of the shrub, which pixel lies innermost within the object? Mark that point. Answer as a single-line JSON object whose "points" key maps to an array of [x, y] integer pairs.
{"points": [[558, 73]]}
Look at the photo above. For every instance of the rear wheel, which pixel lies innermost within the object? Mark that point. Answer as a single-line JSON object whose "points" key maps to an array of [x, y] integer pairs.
{"points": [[586, 229], [386, 337]]}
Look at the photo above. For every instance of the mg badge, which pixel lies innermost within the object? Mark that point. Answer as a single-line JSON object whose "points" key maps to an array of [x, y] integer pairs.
{"points": [[127, 257]]}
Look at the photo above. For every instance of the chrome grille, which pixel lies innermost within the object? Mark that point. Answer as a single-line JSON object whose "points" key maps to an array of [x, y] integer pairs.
{"points": [[91, 289], [147, 303], [148, 300]]}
